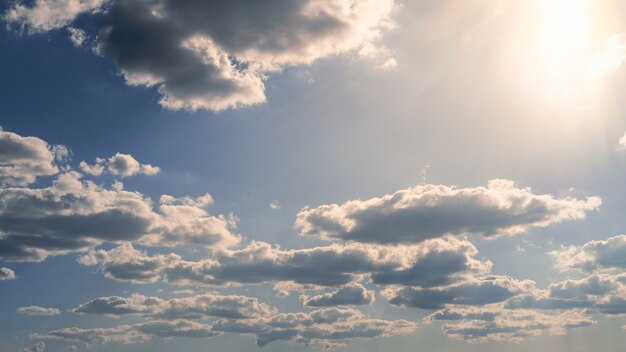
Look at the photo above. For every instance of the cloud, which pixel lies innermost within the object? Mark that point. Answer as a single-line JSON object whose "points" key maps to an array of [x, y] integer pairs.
{"points": [[122, 165], [488, 290], [7, 274], [322, 327], [199, 55], [193, 307], [74, 215], [35, 310], [430, 211], [352, 294], [77, 36], [516, 326], [259, 262], [605, 255], [38, 347], [46, 15], [275, 205], [23, 159], [610, 60]]}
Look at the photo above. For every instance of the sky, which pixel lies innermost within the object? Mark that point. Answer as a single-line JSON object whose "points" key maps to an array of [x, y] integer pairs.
{"points": [[311, 175]]}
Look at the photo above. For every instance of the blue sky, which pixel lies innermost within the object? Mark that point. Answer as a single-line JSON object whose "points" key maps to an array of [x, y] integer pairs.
{"points": [[347, 175]]}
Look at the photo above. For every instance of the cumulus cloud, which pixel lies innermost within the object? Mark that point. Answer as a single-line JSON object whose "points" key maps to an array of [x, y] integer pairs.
{"points": [[516, 326], [7, 274], [604, 255], [488, 290], [38, 347], [77, 36], [333, 265], [45, 15], [73, 215], [23, 159], [199, 55], [192, 307], [36, 310], [322, 327], [352, 294], [122, 165], [430, 211]]}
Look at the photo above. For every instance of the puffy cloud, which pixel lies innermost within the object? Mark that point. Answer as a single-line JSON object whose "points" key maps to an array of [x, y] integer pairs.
{"points": [[275, 205], [73, 215], [193, 307], [322, 327], [333, 265], [35, 310], [515, 326], [611, 59], [23, 159], [45, 15], [353, 294], [605, 255], [473, 292], [7, 274], [38, 347], [199, 55], [123, 165], [430, 211], [77, 36]]}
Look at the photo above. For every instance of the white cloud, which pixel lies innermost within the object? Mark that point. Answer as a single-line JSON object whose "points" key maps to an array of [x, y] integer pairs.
{"points": [[430, 211], [77, 36], [123, 165], [352, 294], [35, 310], [23, 159], [275, 205], [38, 347], [46, 15], [7, 274]]}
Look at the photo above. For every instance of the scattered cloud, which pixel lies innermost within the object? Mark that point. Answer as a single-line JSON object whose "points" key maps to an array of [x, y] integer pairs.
{"points": [[275, 205], [7, 274], [35, 310], [38, 347], [77, 36], [23, 159], [430, 211], [122, 165], [198, 55], [352, 294]]}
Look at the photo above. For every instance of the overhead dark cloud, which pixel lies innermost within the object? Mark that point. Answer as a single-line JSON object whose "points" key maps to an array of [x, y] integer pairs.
{"points": [[430, 211], [192, 307], [214, 55], [352, 294], [7, 274], [36, 310], [23, 159]]}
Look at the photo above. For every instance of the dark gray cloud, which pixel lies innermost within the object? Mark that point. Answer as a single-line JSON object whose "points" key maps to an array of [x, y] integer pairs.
{"points": [[259, 262], [214, 55], [36, 310], [353, 294], [7, 274], [430, 211], [488, 290], [193, 307]]}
